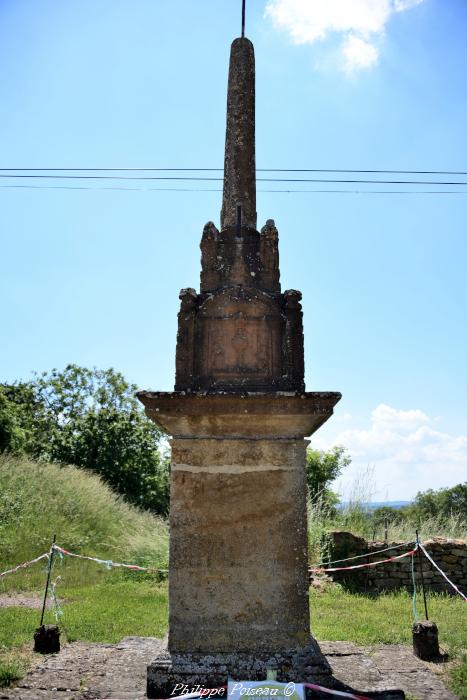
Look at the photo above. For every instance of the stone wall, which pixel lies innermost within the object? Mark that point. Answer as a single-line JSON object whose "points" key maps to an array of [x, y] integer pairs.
{"points": [[449, 554]]}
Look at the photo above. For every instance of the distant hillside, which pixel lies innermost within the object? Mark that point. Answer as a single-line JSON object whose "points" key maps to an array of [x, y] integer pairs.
{"points": [[377, 504]]}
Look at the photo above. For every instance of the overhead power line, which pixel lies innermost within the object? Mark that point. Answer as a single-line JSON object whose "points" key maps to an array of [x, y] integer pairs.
{"points": [[204, 189], [218, 179], [261, 170]]}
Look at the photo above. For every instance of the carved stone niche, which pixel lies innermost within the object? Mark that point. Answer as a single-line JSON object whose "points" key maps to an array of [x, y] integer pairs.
{"points": [[239, 337], [240, 340], [240, 333]]}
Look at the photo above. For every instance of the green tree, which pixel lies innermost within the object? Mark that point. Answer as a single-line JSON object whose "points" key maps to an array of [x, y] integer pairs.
{"points": [[12, 436], [92, 419], [441, 503], [322, 468], [23, 420], [386, 515]]}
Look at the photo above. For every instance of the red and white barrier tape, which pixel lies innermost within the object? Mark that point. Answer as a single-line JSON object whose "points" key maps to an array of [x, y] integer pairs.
{"points": [[368, 564], [107, 562], [442, 572], [367, 554], [25, 565]]}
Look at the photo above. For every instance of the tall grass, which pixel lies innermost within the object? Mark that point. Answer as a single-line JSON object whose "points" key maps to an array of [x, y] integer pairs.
{"points": [[39, 500], [356, 518]]}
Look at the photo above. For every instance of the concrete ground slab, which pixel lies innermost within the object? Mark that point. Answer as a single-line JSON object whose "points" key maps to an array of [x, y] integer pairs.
{"points": [[118, 672]]}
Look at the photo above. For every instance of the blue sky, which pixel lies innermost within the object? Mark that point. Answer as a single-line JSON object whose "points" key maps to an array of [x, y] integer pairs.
{"points": [[92, 275]]}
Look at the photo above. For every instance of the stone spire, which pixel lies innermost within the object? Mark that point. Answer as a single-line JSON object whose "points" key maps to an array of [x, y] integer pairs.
{"points": [[239, 163], [238, 585]]}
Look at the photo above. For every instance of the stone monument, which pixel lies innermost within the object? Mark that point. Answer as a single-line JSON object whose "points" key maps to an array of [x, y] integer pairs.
{"points": [[238, 582]]}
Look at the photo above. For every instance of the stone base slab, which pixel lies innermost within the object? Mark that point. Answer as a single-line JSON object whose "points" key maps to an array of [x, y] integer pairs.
{"points": [[213, 670]]}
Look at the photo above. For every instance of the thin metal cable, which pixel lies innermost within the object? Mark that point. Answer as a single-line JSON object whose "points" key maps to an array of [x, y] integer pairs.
{"points": [[220, 179], [206, 189], [259, 170]]}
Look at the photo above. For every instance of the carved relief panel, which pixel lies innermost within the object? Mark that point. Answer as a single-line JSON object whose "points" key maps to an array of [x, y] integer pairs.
{"points": [[239, 341]]}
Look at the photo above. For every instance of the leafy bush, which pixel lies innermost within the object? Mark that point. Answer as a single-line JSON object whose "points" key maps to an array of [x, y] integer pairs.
{"points": [[92, 419], [444, 502], [322, 468]]}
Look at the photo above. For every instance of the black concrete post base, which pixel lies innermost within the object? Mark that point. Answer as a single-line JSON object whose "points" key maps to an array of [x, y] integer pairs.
{"points": [[425, 640], [47, 639]]}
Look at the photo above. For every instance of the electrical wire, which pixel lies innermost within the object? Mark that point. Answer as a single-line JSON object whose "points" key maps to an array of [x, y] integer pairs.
{"points": [[218, 179], [263, 170], [204, 189]]}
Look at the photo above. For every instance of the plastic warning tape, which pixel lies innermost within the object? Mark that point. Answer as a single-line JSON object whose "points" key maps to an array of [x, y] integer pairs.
{"points": [[442, 572], [107, 562], [25, 565], [368, 564]]}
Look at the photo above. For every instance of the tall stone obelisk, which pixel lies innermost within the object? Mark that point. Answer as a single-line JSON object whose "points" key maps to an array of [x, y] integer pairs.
{"points": [[238, 582]]}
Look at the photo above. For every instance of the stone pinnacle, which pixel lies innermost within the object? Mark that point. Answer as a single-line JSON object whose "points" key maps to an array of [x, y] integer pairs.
{"points": [[239, 163]]}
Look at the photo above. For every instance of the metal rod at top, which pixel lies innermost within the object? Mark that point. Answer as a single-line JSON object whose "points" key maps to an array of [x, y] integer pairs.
{"points": [[49, 571], [243, 18], [421, 573]]}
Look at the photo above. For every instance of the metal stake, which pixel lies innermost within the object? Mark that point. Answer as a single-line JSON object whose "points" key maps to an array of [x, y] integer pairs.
{"points": [[49, 572], [421, 574], [243, 19]]}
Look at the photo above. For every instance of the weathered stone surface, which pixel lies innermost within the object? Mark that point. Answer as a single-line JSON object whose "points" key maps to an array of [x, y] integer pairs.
{"points": [[213, 670], [239, 163], [240, 333], [246, 585], [238, 581], [238, 418], [400, 668], [253, 416], [238, 557], [90, 671]]}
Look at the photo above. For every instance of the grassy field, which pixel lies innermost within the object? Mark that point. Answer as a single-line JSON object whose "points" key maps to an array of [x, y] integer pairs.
{"points": [[118, 606], [101, 605], [40, 500]]}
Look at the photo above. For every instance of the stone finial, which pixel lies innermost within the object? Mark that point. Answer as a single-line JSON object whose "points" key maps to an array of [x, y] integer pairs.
{"points": [[269, 254], [239, 163]]}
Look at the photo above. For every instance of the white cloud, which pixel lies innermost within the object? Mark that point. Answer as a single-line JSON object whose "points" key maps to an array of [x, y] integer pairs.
{"points": [[387, 416], [402, 5], [359, 23], [408, 454], [358, 53]]}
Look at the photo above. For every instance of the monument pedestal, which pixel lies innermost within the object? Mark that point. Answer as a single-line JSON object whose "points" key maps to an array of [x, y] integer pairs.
{"points": [[238, 583], [305, 663]]}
